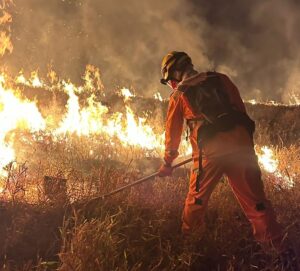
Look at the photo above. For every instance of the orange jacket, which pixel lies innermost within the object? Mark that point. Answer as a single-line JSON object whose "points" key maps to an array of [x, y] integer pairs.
{"points": [[179, 110]]}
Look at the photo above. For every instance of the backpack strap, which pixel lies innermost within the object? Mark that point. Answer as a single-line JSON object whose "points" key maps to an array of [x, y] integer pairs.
{"points": [[200, 169]]}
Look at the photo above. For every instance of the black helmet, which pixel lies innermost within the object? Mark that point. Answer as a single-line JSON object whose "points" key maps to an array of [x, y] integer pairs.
{"points": [[171, 62]]}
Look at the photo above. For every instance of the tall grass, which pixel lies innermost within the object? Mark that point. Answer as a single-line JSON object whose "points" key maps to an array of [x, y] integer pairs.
{"points": [[138, 229]]}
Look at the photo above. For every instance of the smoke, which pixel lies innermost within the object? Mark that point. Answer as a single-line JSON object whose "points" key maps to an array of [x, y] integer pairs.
{"points": [[258, 40], [254, 42]]}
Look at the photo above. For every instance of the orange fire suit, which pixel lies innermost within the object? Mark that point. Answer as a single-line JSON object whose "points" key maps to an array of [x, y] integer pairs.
{"points": [[230, 153]]}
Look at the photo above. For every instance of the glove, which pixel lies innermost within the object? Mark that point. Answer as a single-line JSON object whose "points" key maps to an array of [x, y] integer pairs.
{"points": [[165, 170]]}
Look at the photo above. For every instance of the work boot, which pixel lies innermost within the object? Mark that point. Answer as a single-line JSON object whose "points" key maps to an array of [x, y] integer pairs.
{"points": [[287, 261]]}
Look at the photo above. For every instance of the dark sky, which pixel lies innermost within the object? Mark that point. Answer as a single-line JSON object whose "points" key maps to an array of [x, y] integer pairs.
{"points": [[255, 42]]}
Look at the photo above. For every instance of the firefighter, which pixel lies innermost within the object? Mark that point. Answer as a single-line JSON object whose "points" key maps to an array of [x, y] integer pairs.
{"points": [[221, 135]]}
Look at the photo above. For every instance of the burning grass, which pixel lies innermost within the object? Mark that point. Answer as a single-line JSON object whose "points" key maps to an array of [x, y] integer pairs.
{"points": [[140, 230], [135, 230], [97, 143]]}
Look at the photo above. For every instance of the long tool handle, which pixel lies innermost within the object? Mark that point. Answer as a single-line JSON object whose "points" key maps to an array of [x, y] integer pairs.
{"points": [[140, 181]]}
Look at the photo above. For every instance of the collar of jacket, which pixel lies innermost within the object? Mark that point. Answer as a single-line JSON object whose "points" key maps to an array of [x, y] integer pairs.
{"points": [[192, 81]]}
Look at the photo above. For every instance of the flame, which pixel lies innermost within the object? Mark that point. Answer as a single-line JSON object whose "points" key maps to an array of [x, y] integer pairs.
{"points": [[157, 96], [6, 18], [294, 99], [92, 78], [5, 43], [14, 114], [5, 34], [139, 133], [52, 75], [267, 160], [92, 118], [84, 121], [253, 101], [127, 94], [269, 163], [21, 79], [6, 3], [35, 80]]}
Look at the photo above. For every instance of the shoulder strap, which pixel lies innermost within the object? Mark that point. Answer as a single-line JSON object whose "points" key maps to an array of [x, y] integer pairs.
{"points": [[176, 94]]}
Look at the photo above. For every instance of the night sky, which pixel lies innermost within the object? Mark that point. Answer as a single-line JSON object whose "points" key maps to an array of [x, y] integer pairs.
{"points": [[255, 42]]}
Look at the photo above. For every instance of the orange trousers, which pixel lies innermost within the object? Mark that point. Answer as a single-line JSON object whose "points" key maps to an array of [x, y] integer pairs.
{"points": [[244, 177]]}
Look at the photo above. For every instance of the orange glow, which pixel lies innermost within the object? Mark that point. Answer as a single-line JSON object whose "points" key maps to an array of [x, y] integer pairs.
{"points": [[94, 118]]}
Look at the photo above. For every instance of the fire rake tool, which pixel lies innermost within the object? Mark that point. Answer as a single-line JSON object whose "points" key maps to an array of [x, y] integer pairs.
{"points": [[137, 182]]}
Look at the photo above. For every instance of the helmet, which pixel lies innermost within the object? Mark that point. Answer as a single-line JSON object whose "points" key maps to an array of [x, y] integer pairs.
{"points": [[172, 61]]}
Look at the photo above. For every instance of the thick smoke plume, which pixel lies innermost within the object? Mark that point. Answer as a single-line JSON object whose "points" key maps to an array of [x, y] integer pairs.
{"points": [[255, 42]]}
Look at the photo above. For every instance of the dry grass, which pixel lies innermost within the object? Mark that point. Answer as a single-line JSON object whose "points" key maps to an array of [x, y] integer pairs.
{"points": [[138, 229], [141, 231]]}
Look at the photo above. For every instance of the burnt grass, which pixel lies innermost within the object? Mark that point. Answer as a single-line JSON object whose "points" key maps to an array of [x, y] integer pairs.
{"points": [[139, 229]]}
